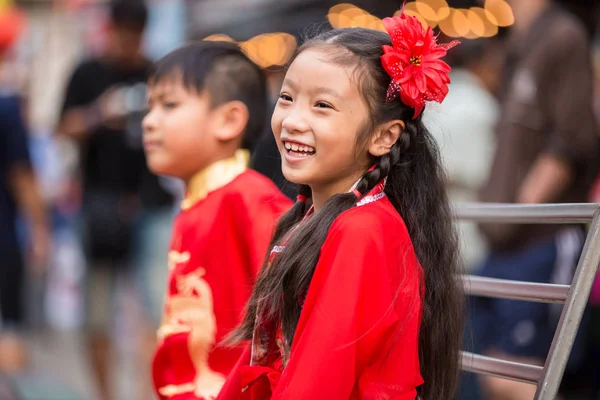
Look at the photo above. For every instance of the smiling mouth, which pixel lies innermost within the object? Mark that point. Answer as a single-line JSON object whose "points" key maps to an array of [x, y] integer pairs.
{"points": [[298, 149]]}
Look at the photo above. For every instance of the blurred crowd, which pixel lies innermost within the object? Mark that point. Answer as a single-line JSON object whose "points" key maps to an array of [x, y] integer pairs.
{"points": [[84, 225]]}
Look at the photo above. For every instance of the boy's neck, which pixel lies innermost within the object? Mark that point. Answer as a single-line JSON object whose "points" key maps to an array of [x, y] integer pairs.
{"points": [[214, 176]]}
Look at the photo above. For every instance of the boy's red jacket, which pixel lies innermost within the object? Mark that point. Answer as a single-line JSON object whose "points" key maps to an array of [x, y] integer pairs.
{"points": [[219, 242]]}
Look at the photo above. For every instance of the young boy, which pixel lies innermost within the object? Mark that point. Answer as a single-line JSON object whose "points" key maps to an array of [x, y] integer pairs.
{"points": [[207, 102]]}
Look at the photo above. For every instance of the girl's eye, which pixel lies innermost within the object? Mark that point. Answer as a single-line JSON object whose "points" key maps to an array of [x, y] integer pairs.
{"points": [[322, 104], [285, 97], [169, 105]]}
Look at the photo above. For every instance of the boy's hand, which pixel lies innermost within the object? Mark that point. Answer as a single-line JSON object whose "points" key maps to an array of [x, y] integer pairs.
{"points": [[111, 108]]}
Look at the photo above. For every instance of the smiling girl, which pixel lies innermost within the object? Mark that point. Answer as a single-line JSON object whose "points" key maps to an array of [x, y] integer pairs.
{"points": [[359, 298]]}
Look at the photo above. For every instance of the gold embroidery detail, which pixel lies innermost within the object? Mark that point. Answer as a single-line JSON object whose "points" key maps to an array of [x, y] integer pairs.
{"points": [[191, 310], [174, 390], [168, 330], [215, 176], [176, 257]]}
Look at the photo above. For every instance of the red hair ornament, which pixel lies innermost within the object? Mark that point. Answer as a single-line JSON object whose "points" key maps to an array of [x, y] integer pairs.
{"points": [[413, 62]]}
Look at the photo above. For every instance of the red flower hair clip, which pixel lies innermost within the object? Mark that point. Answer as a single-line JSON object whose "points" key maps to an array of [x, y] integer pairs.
{"points": [[413, 62]]}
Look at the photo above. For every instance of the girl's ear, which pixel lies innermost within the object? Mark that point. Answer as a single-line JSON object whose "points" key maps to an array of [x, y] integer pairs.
{"points": [[385, 136]]}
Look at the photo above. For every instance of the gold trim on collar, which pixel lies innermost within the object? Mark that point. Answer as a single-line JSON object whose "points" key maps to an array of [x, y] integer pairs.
{"points": [[214, 177]]}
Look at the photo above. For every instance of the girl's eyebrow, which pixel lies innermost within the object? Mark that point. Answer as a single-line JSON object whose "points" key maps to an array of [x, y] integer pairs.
{"points": [[317, 90], [290, 83], [323, 89]]}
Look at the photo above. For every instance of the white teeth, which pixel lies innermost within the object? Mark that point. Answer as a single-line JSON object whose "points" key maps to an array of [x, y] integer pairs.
{"points": [[300, 149]]}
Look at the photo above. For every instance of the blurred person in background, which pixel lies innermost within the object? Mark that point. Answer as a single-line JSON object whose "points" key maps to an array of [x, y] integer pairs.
{"points": [[18, 192], [207, 105], [547, 152], [126, 212], [463, 125]]}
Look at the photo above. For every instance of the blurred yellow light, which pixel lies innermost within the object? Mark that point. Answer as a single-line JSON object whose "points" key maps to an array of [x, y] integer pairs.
{"points": [[447, 27], [339, 21], [367, 21], [377, 24], [353, 12], [290, 43], [443, 12], [460, 22], [439, 7], [346, 15], [338, 8], [219, 37], [411, 9], [501, 11], [421, 19], [270, 49], [250, 47], [336, 16], [431, 10], [489, 27], [476, 25], [426, 10]]}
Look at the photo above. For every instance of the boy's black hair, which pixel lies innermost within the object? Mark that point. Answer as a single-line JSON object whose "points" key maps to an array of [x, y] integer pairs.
{"points": [[130, 14], [226, 73]]}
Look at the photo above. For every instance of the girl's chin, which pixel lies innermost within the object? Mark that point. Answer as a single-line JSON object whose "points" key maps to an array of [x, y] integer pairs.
{"points": [[295, 177]]}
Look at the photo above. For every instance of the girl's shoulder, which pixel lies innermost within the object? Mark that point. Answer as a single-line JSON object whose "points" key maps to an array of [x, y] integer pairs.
{"points": [[371, 219]]}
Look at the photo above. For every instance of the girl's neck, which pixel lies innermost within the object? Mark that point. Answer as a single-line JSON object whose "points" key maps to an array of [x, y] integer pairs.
{"points": [[322, 193]]}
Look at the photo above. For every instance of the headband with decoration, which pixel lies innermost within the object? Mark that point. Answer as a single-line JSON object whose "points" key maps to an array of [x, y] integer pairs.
{"points": [[413, 62]]}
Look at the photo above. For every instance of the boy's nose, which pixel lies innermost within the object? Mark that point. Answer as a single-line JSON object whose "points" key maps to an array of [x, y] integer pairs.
{"points": [[149, 122]]}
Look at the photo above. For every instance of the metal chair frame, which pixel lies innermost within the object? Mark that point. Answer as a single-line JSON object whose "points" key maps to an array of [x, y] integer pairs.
{"points": [[573, 296]]}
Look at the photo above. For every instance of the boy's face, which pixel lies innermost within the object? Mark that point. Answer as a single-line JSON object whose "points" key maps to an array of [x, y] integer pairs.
{"points": [[177, 130]]}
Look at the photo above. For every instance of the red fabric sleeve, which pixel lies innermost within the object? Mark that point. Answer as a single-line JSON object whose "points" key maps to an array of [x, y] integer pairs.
{"points": [[262, 222], [357, 336]]}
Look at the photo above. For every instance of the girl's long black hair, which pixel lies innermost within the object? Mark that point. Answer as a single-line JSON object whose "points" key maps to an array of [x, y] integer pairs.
{"points": [[416, 188]]}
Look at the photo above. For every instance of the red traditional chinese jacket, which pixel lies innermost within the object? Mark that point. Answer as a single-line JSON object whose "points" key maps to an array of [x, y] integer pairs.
{"points": [[219, 242], [358, 333]]}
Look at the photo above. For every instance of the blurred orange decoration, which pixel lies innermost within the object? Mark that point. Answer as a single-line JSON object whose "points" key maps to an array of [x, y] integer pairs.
{"points": [[12, 22], [346, 15], [472, 23], [266, 50]]}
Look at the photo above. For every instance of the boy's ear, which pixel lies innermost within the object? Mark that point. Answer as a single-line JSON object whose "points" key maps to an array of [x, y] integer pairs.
{"points": [[231, 120], [384, 138]]}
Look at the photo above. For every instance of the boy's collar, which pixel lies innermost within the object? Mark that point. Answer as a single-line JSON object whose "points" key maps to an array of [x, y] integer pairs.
{"points": [[214, 177]]}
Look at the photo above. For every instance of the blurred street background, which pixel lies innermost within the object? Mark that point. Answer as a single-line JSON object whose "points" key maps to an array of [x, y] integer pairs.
{"points": [[42, 42]]}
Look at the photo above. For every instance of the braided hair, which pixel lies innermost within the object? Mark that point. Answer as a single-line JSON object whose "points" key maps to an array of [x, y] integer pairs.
{"points": [[414, 185]]}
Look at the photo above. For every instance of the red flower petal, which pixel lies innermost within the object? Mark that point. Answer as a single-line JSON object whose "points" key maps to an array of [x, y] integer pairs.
{"points": [[420, 80], [415, 83], [433, 76]]}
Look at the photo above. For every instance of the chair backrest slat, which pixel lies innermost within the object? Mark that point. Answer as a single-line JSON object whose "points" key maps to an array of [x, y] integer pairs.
{"points": [[503, 369], [574, 296], [515, 290]]}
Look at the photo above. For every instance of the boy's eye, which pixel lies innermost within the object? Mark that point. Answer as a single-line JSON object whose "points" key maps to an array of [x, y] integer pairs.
{"points": [[285, 97], [322, 104], [169, 105]]}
